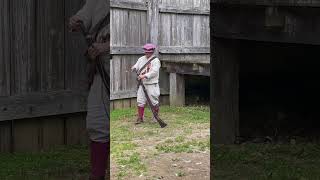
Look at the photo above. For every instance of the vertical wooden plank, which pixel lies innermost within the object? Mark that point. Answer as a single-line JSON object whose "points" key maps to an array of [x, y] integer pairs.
{"points": [[121, 75], [174, 30], [116, 77], [164, 80], [118, 104], [75, 46], [225, 92], [52, 132], [112, 74], [50, 16], [133, 102], [124, 17], [26, 134], [165, 35], [5, 136], [165, 100], [135, 28], [75, 129], [5, 48], [196, 31], [23, 47], [177, 90], [197, 3], [111, 106], [132, 76], [153, 22], [126, 71], [126, 103]]}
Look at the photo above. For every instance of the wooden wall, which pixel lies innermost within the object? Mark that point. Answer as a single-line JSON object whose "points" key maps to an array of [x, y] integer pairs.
{"points": [[42, 100], [42, 68], [179, 28]]}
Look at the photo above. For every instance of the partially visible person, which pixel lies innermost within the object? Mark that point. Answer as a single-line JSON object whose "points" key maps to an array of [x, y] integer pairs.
{"points": [[97, 120]]}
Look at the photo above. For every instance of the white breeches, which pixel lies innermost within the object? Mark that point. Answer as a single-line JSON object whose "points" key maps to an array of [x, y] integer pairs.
{"points": [[153, 91]]}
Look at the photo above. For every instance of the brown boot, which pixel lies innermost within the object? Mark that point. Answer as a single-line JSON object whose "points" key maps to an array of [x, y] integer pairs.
{"points": [[139, 120]]}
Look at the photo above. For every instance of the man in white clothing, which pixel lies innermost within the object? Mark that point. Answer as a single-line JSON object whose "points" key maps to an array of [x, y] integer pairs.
{"points": [[150, 78]]}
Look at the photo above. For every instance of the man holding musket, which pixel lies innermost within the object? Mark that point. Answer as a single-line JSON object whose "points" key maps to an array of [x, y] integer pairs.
{"points": [[149, 74]]}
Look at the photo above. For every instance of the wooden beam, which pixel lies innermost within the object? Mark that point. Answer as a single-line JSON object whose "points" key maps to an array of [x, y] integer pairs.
{"points": [[184, 10], [128, 5], [177, 90], [126, 50], [42, 104], [184, 68], [225, 105], [249, 24], [184, 50], [131, 94], [187, 61], [131, 50], [305, 3]]}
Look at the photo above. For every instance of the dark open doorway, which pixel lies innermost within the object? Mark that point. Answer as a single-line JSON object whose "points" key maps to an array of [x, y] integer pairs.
{"points": [[197, 90], [279, 92]]}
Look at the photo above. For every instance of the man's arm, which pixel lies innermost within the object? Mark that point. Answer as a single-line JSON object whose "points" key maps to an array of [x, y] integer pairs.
{"points": [[84, 15], [135, 66]]}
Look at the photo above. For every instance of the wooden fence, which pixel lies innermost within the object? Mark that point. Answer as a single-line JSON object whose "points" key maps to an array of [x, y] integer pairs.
{"points": [[42, 100], [42, 94], [179, 28]]}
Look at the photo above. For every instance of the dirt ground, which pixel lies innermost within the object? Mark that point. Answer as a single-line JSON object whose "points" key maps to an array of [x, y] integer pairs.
{"points": [[179, 156]]}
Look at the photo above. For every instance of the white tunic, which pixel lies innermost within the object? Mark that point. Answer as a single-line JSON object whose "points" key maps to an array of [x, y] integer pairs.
{"points": [[151, 71], [151, 82]]}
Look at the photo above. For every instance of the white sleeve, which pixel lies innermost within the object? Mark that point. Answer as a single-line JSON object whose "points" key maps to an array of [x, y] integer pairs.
{"points": [[154, 70], [136, 66]]}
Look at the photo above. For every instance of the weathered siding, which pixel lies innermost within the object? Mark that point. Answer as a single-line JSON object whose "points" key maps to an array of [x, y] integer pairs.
{"points": [[5, 49], [41, 71], [179, 28]]}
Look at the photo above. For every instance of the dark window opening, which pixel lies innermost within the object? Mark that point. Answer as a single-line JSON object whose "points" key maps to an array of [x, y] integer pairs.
{"points": [[197, 90], [279, 91]]}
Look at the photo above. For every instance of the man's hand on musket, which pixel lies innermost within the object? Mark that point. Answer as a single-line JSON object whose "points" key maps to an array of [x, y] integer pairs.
{"points": [[141, 77], [97, 49], [133, 69], [74, 24]]}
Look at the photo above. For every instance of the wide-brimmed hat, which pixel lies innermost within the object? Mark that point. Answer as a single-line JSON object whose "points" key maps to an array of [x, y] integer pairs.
{"points": [[148, 48]]}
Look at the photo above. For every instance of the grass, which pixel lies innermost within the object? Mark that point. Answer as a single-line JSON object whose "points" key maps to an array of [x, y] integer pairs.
{"points": [[188, 147], [240, 162], [130, 162], [266, 161], [66, 160]]}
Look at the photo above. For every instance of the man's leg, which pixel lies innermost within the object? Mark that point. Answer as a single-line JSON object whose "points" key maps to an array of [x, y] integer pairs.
{"points": [[141, 101], [99, 158], [154, 97]]}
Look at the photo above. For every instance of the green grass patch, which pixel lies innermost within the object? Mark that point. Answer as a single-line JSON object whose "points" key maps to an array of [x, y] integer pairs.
{"points": [[132, 162], [61, 161], [260, 161], [71, 162], [188, 147], [124, 132]]}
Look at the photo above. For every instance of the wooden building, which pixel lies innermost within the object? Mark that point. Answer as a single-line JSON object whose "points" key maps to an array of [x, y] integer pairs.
{"points": [[180, 29], [42, 68], [265, 64]]}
